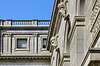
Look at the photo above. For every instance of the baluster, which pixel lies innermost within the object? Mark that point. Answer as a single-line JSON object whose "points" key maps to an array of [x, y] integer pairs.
{"points": [[16, 22], [23, 22], [31, 22], [20, 23], [46, 23], [49, 23], [28, 23], [12, 23], [38, 22], [41, 23]]}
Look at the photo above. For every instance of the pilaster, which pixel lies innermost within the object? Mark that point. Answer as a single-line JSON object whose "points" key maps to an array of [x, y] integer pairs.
{"points": [[35, 42]]}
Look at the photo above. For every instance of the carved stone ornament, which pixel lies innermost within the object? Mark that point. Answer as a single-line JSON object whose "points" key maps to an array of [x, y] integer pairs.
{"points": [[62, 8], [95, 19], [53, 42]]}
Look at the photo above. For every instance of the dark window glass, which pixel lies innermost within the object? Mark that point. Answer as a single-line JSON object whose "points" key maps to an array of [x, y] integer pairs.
{"points": [[21, 43], [44, 43]]}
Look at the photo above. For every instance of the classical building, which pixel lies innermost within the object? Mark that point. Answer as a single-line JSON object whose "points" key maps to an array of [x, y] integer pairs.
{"points": [[74, 33], [73, 38], [23, 42]]}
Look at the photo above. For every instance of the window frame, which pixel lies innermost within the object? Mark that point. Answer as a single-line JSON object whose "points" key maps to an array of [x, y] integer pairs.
{"points": [[42, 42], [20, 49], [21, 46], [43, 37]]}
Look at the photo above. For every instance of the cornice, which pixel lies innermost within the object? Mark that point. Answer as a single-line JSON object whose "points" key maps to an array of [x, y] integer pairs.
{"points": [[26, 57], [24, 33], [91, 50]]}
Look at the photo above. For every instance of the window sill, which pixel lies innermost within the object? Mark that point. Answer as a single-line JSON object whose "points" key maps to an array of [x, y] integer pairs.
{"points": [[21, 49], [43, 49]]}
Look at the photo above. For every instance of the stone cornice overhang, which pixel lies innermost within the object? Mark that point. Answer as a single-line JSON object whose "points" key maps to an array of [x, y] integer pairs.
{"points": [[24, 27], [26, 57], [78, 21], [93, 54]]}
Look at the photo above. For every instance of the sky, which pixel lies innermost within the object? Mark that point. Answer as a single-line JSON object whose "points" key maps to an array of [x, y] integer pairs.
{"points": [[26, 9]]}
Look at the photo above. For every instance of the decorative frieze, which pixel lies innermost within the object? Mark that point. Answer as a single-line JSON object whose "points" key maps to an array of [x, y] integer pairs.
{"points": [[95, 12], [96, 27], [95, 18]]}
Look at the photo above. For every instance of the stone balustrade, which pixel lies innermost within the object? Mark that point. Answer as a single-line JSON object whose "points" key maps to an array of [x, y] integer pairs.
{"points": [[44, 22], [10, 22]]}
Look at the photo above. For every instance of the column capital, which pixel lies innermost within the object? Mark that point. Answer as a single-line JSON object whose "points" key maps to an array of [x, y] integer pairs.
{"points": [[34, 34], [9, 34]]}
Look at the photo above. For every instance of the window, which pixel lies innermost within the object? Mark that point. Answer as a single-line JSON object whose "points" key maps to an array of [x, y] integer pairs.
{"points": [[44, 43], [21, 43]]}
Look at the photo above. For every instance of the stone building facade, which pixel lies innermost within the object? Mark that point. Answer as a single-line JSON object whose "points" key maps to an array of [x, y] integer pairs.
{"points": [[23, 42], [74, 33], [73, 37]]}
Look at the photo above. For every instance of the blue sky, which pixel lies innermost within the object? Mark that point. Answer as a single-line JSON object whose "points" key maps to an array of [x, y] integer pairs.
{"points": [[26, 9]]}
